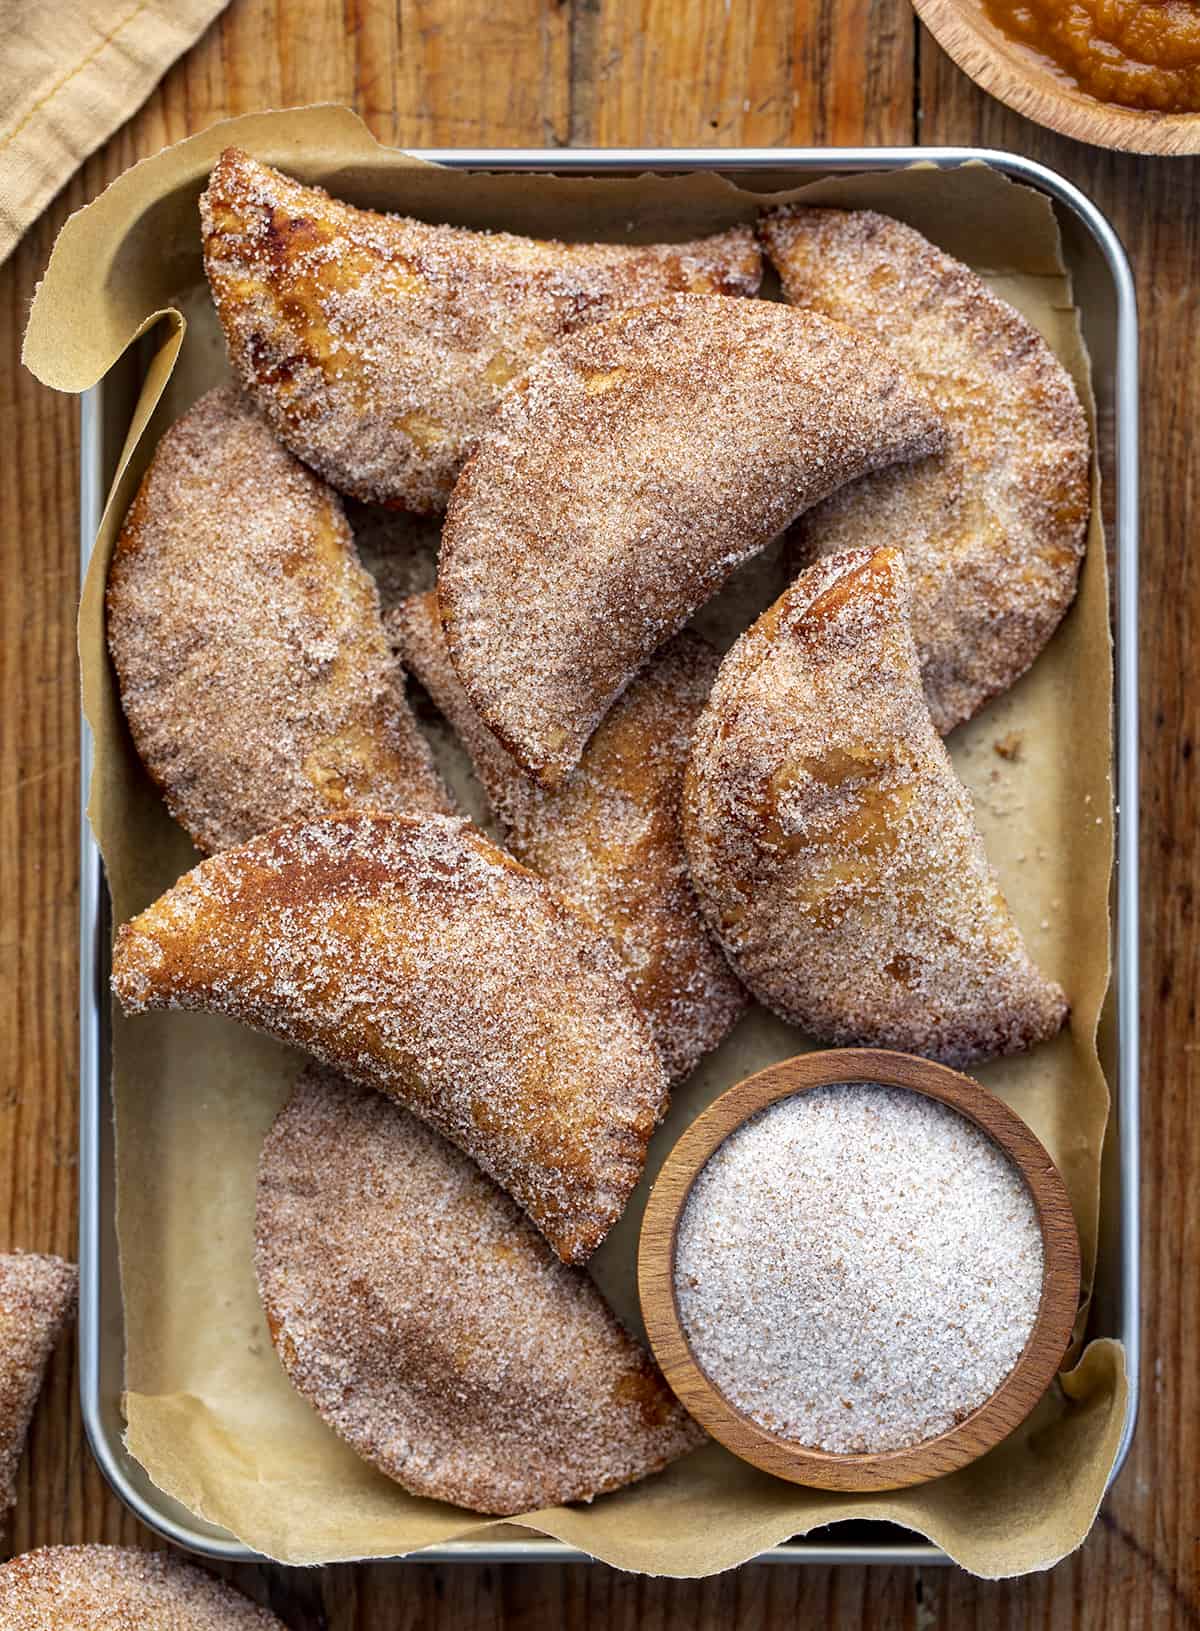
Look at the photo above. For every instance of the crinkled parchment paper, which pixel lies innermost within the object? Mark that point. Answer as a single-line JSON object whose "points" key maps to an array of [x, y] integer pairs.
{"points": [[210, 1414]]}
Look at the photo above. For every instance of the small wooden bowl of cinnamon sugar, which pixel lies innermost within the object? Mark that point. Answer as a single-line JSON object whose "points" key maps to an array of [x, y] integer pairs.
{"points": [[859, 1270]]}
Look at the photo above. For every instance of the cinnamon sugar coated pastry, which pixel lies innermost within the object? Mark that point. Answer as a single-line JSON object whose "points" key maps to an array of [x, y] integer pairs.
{"points": [[609, 836], [417, 958], [832, 845], [253, 666], [994, 528], [624, 479], [120, 1588], [378, 346], [430, 1325], [37, 1299]]}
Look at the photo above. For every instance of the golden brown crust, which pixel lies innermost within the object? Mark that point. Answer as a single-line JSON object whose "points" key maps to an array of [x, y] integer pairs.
{"points": [[833, 847], [428, 1323], [119, 1588], [37, 1298], [417, 958], [993, 529], [609, 836], [253, 666], [625, 478], [378, 346]]}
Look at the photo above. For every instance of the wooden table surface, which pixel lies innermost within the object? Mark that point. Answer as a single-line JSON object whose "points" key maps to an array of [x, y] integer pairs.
{"points": [[484, 73]]}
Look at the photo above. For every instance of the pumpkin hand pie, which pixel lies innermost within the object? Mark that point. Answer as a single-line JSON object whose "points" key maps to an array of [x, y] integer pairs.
{"points": [[993, 527], [417, 958], [430, 1325], [37, 1299], [833, 847], [112, 1588], [378, 346], [609, 837], [622, 481], [253, 667]]}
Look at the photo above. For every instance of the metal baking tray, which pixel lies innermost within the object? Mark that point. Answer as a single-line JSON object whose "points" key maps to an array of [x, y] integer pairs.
{"points": [[1105, 296]]}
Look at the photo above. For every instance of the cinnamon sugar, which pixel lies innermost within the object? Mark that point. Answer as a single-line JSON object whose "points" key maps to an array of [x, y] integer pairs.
{"points": [[858, 1268]]}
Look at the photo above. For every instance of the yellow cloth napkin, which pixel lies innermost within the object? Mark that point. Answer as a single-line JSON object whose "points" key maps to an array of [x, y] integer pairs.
{"points": [[69, 75]]}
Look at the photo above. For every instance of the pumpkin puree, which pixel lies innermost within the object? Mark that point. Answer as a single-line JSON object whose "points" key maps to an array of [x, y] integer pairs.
{"points": [[1137, 53]]}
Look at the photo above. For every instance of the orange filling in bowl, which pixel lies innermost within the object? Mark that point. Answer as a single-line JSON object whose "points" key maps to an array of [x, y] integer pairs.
{"points": [[1137, 53]]}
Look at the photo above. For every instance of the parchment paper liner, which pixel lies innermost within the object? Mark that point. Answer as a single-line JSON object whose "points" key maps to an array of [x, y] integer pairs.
{"points": [[210, 1414]]}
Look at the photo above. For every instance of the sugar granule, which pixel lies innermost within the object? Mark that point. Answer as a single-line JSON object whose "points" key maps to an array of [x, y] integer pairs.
{"points": [[858, 1267]]}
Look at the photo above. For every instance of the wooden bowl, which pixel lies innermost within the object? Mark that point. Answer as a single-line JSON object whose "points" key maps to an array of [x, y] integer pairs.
{"points": [[1017, 77], [890, 1469]]}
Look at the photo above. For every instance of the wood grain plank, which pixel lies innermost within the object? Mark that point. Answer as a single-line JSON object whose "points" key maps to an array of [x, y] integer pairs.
{"points": [[478, 74], [730, 73]]}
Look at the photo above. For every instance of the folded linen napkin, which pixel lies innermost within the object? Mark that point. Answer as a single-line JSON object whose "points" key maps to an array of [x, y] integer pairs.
{"points": [[69, 75]]}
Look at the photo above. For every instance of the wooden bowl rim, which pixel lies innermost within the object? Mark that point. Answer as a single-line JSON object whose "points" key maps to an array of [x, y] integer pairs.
{"points": [[1010, 72], [991, 1421]]}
